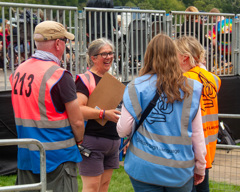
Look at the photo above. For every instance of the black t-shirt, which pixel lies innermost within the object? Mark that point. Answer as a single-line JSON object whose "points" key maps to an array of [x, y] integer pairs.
{"points": [[63, 91], [93, 128]]}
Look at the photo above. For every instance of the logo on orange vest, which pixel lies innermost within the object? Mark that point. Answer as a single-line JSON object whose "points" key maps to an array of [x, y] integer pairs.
{"points": [[209, 92]]}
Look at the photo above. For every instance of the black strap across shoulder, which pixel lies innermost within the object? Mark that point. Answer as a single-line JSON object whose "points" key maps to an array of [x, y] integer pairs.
{"points": [[148, 110]]}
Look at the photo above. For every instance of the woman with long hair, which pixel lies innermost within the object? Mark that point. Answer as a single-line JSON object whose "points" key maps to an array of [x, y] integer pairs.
{"points": [[191, 54], [165, 152]]}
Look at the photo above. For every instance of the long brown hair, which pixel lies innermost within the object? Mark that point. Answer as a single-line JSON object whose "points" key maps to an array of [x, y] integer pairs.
{"points": [[161, 59]]}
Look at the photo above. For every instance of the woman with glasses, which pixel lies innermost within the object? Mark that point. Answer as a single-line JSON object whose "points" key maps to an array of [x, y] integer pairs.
{"points": [[103, 141]]}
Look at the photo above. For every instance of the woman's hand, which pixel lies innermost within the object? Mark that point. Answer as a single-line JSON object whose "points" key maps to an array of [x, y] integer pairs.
{"points": [[112, 115], [198, 179]]}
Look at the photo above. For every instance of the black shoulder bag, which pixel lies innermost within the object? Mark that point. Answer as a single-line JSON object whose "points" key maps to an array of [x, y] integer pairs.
{"points": [[146, 112]]}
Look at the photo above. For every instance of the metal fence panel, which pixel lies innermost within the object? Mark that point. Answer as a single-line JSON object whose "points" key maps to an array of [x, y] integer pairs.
{"points": [[237, 52], [42, 185], [20, 19], [205, 27], [130, 37]]}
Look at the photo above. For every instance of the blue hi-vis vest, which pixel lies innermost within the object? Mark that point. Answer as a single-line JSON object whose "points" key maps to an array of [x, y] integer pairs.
{"points": [[161, 151], [36, 117]]}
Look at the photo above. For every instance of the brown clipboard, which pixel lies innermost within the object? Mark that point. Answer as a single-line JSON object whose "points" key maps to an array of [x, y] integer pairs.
{"points": [[107, 95]]}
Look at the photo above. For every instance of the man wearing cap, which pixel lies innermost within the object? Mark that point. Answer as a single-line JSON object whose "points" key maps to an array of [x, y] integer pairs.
{"points": [[46, 108]]}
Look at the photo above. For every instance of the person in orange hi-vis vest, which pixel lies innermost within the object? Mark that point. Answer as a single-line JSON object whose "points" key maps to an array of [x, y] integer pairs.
{"points": [[191, 58]]}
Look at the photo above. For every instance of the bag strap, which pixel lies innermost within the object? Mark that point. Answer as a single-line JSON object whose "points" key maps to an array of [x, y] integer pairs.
{"points": [[146, 112]]}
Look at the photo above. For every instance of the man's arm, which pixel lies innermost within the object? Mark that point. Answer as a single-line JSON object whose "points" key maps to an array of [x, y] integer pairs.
{"points": [[76, 119]]}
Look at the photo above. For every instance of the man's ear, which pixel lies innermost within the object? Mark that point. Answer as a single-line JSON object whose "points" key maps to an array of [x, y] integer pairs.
{"points": [[57, 44]]}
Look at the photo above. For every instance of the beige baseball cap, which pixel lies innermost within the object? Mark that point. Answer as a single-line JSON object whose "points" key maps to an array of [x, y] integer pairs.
{"points": [[51, 30]]}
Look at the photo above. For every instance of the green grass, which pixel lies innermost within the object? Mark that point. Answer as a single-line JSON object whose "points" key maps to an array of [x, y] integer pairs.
{"points": [[222, 187], [7, 180], [119, 182]]}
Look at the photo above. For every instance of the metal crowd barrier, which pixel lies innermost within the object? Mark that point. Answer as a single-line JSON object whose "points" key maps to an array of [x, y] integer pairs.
{"points": [[130, 36], [137, 27], [237, 55], [225, 172], [43, 179], [221, 52], [22, 18]]}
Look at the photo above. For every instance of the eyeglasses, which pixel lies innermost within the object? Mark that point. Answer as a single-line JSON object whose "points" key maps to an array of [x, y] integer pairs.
{"points": [[105, 54], [65, 40]]}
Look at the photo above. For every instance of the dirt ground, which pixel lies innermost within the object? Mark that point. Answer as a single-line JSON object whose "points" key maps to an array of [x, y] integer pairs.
{"points": [[226, 167]]}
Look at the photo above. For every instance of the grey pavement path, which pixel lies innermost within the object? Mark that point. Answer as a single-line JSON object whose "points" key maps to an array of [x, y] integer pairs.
{"points": [[4, 80], [226, 167]]}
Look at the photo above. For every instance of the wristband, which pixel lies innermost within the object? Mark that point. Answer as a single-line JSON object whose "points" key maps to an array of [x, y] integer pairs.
{"points": [[101, 114], [79, 143]]}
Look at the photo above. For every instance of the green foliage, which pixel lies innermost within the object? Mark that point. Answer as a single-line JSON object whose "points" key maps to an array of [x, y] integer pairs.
{"points": [[130, 4], [145, 5], [225, 6], [201, 5]]}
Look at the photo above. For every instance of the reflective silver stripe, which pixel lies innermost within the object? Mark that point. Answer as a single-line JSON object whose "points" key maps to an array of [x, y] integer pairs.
{"points": [[160, 160], [216, 80], [211, 138], [209, 118], [42, 123], [134, 100], [41, 100], [87, 77], [186, 111], [165, 139], [51, 145]]}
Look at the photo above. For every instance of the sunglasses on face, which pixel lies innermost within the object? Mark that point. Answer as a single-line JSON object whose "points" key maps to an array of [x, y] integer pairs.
{"points": [[105, 54]]}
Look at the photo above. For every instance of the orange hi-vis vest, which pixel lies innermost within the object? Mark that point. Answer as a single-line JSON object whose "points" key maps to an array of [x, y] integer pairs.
{"points": [[36, 116], [88, 80], [209, 108]]}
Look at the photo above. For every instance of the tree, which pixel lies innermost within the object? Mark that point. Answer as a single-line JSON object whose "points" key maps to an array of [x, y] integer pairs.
{"points": [[145, 5], [201, 5]]}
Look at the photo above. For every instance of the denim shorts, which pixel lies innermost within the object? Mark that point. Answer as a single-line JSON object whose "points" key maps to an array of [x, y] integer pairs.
{"points": [[104, 155]]}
